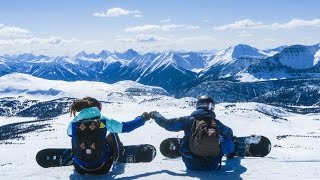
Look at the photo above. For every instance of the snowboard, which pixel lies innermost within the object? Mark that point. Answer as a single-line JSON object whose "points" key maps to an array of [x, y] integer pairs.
{"points": [[246, 146], [56, 157]]}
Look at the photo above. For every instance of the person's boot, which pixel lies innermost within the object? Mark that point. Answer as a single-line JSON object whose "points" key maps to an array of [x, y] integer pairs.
{"points": [[235, 142]]}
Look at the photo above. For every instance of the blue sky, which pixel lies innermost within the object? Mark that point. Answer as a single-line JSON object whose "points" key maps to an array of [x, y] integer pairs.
{"points": [[65, 27]]}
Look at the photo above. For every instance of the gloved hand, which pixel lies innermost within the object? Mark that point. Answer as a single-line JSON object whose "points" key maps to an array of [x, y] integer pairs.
{"points": [[152, 114], [146, 116]]}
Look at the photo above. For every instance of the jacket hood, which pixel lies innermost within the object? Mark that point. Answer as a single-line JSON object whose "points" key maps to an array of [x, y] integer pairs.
{"points": [[88, 113]]}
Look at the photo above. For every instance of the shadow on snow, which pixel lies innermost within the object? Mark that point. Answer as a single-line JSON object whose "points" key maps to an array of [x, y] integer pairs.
{"points": [[231, 170]]}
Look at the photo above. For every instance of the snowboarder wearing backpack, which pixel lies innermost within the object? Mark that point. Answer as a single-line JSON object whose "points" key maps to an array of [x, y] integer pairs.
{"points": [[93, 151], [205, 139]]}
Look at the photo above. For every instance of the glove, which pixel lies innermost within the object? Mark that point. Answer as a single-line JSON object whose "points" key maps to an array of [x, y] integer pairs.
{"points": [[146, 116], [152, 114]]}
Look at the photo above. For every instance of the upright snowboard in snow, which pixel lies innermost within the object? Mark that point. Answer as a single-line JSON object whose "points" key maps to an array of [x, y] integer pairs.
{"points": [[53, 157], [247, 146]]}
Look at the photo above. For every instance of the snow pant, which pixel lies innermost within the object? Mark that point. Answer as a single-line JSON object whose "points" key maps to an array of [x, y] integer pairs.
{"points": [[116, 148], [199, 163]]}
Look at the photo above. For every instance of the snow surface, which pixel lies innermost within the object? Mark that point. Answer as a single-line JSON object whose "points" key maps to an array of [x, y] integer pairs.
{"points": [[295, 137], [38, 88], [247, 77], [295, 143]]}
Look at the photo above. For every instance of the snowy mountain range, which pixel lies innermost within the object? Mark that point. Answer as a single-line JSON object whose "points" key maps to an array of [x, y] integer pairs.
{"points": [[189, 73], [150, 68]]}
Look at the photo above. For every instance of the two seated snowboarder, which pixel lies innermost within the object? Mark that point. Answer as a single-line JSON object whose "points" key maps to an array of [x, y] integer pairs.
{"points": [[88, 132]]}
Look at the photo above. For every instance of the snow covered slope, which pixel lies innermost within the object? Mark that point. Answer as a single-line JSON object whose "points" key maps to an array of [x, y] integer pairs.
{"points": [[295, 61], [248, 64], [274, 51], [299, 57], [231, 61], [295, 142], [232, 53], [282, 92], [17, 84]]}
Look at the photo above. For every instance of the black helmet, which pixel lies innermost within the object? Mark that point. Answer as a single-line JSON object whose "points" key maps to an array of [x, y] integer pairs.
{"points": [[205, 102]]}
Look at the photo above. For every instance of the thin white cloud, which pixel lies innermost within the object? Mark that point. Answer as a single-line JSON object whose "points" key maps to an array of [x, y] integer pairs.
{"points": [[6, 43], [176, 26], [165, 21], [10, 31], [143, 38], [34, 41], [192, 27], [242, 24], [167, 27], [150, 38], [137, 16], [146, 38], [142, 28], [297, 23], [117, 12], [249, 24], [18, 40]]}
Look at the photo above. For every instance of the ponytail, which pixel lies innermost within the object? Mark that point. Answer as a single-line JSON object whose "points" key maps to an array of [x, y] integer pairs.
{"points": [[79, 104]]}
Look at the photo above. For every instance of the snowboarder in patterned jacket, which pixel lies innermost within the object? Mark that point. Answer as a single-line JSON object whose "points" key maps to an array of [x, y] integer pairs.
{"points": [[90, 108], [204, 108]]}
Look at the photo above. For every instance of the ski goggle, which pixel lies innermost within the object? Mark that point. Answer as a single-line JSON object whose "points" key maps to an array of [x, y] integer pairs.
{"points": [[208, 106]]}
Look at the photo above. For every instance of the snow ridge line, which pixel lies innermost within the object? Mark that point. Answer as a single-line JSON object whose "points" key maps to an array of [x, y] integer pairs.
{"points": [[285, 136]]}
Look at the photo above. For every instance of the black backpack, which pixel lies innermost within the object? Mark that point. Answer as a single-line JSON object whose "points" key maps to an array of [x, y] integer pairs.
{"points": [[204, 140], [90, 149]]}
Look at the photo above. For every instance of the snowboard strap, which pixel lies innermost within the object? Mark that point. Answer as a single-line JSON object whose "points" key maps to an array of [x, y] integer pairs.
{"points": [[220, 158], [68, 160], [220, 162]]}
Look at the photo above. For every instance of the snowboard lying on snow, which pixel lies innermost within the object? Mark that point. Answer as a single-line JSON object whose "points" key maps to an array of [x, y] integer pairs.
{"points": [[55, 157], [246, 146]]}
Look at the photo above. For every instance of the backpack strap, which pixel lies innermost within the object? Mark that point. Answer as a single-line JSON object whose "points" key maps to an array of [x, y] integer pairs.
{"points": [[220, 159], [219, 167], [92, 169], [117, 160]]}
